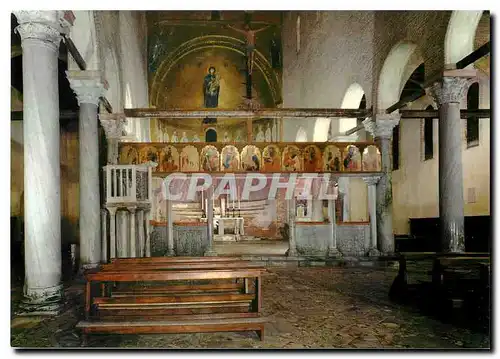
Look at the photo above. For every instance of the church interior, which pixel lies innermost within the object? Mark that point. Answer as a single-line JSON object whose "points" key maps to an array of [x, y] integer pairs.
{"points": [[195, 179]]}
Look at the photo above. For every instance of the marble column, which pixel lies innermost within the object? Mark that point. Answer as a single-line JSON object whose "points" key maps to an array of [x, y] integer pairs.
{"points": [[210, 222], [88, 87], [317, 204], [449, 92], [104, 234], [170, 229], [133, 238], [381, 129], [292, 213], [372, 210], [332, 250], [112, 232], [122, 238], [148, 234], [140, 232], [40, 33], [113, 125]]}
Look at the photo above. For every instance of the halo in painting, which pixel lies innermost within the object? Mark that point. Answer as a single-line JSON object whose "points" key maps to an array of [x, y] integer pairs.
{"points": [[251, 158], [271, 158], [169, 159], [189, 159], [331, 159], [230, 158], [209, 159], [292, 161]]}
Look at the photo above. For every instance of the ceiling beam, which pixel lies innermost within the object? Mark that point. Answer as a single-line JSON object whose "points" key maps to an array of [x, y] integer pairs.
{"points": [[419, 114], [261, 113], [466, 61]]}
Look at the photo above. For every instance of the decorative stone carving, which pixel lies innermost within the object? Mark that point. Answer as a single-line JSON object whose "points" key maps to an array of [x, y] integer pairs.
{"points": [[383, 124], [43, 25], [113, 124], [372, 180], [450, 89], [87, 85]]}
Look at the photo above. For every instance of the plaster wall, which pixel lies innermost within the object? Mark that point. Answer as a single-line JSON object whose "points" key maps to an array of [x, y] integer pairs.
{"points": [[416, 182]]}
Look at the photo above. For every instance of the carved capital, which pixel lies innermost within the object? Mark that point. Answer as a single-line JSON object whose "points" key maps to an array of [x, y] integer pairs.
{"points": [[372, 180], [450, 89], [45, 26], [113, 124], [383, 124], [88, 86]]}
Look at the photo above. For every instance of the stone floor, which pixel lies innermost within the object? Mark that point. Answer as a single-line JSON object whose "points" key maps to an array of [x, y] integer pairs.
{"points": [[307, 307], [247, 247]]}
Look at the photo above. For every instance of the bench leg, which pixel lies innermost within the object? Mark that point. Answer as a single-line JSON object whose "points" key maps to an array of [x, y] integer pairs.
{"points": [[85, 339], [260, 333]]}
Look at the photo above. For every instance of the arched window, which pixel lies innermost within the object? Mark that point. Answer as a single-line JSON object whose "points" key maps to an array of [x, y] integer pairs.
{"points": [[211, 135], [301, 135], [428, 136], [473, 122]]}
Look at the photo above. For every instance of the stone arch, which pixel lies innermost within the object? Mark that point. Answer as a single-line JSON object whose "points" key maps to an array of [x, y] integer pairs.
{"points": [[321, 127], [301, 135], [460, 35], [402, 60], [351, 100], [214, 41]]}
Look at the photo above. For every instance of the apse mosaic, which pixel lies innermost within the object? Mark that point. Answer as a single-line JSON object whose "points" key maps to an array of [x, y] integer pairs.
{"points": [[261, 157]]}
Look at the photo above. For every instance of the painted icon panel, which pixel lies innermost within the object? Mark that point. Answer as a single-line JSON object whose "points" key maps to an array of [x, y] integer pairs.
{"points": [[372, 160], [169, 159], [292, 161], [190, 160], [251, 158], [331, 159], [352, 159], [271, 157], [209, 159], [312, 159], [230, 159]]}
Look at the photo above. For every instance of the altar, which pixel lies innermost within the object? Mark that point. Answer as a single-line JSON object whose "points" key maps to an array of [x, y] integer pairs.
{"points": [[228, 228]]}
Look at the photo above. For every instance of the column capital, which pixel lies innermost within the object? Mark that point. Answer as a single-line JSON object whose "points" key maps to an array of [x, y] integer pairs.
{"points": [[372, 180], [113, 124], [450, 89], [88, 86], [45, 26], [382, 125]]}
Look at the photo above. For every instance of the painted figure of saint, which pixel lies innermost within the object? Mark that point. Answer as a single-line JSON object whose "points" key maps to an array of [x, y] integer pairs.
{"points": [[268, 133], [196, 138], [166, 138], [260, 135], [174, 137], [184, 137], [226, 137], [238, 136], [211, 88]]}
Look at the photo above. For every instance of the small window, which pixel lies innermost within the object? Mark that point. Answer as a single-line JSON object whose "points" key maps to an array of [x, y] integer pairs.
{"points": [[472, 131], [428, 136], [395, 148]]}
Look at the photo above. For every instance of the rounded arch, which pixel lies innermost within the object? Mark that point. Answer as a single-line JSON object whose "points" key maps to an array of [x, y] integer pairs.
{"points": [[460, 35], [352, 99], [111, 74], [301, 135], [213, 41], [402, 60], [321, 127]]}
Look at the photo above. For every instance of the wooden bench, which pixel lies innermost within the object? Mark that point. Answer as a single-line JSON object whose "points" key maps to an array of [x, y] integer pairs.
{"points": [[174, 308], [455, 278]]}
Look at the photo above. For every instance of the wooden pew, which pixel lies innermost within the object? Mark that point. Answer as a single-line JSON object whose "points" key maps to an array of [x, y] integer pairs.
{"points": [[143, 260], [175, 312]]}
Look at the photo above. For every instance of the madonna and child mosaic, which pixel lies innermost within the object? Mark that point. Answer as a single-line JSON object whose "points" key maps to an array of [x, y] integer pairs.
{"points": [[219, 157]]}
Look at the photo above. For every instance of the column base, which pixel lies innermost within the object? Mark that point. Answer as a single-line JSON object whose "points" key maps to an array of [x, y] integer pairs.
{"points": [[373, 252], [334, 253], [80, 275], [210, 253], [42, 302], [170, 253], [291, 252]]}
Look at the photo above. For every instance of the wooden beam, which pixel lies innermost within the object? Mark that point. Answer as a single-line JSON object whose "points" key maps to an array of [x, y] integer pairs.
{"points": [[466, 61], [306, 113], [63, 115], [74, 53], [419, 114], [481, 113]]}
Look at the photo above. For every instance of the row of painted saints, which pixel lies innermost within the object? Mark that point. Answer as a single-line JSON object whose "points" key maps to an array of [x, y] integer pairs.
{"points": [[269, 135], [251, 158]]}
